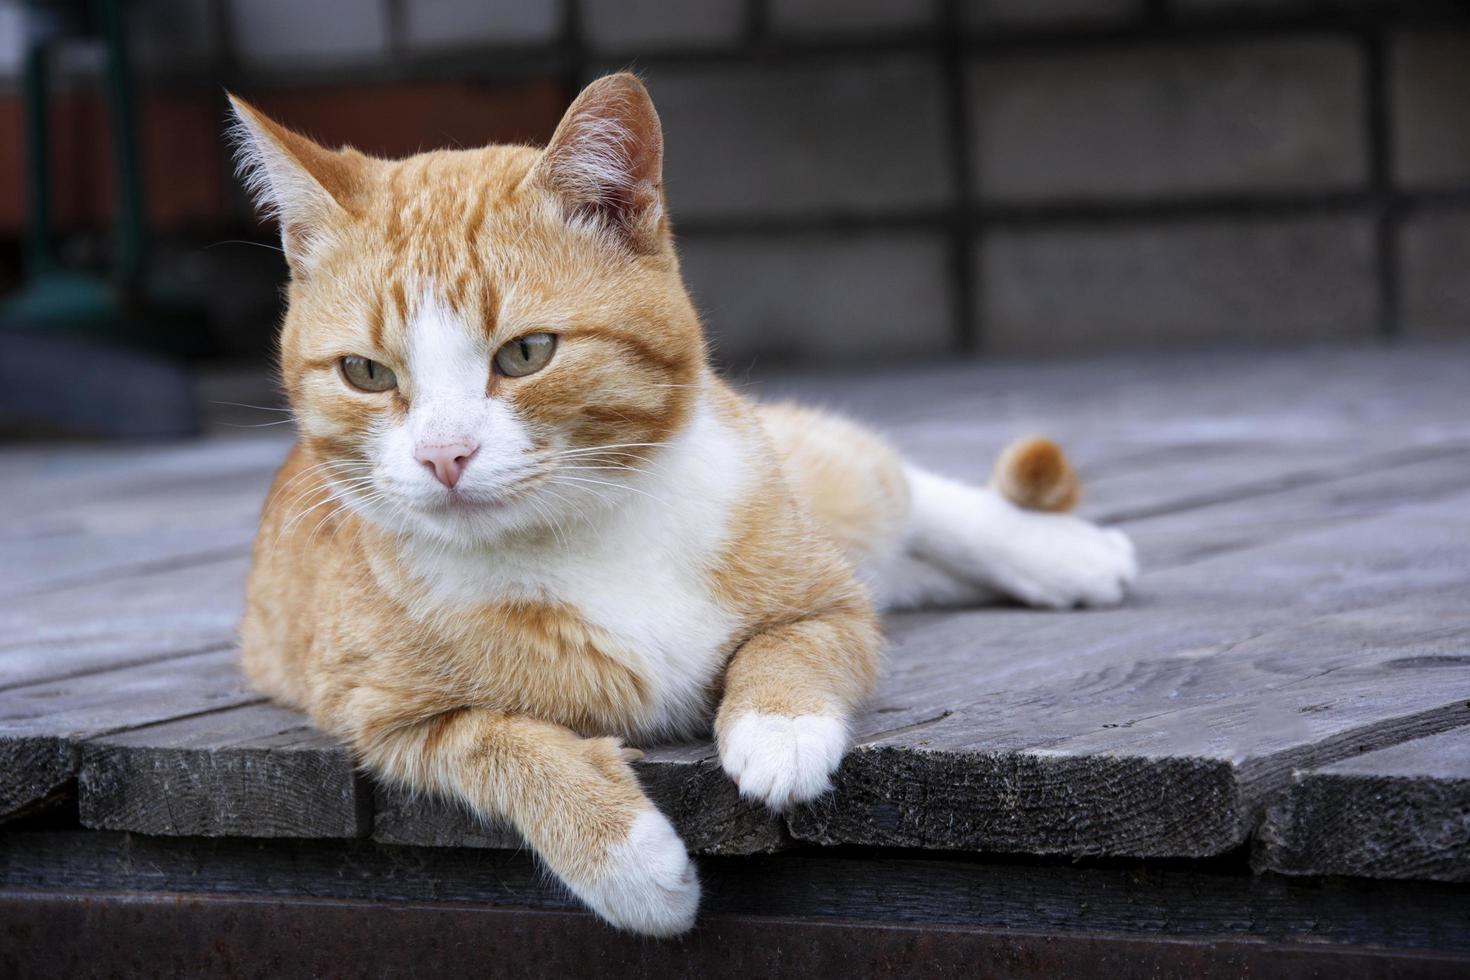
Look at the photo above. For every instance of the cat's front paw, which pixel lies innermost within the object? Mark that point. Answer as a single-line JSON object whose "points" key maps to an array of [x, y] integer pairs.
{"points": [[647, 883], [1063, 561], [783, 760]]}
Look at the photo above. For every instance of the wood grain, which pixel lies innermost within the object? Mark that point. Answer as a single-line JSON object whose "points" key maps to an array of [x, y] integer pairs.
{"points": [[253, 771], [1160, 728], [1295, 647], [119, 622], [43, 726], [1398, 812], [685, 782]]}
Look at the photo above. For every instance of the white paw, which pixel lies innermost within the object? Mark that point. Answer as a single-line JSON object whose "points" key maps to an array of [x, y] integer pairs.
{"points": [[1060, 561], [648, 884], [781, 760]]}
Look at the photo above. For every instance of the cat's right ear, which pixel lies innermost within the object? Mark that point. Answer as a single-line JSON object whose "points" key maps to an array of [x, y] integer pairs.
{"points": [[306, 187], [606, 160]]}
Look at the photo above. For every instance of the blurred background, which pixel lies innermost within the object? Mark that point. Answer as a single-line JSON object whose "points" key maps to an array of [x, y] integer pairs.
{"points": [[850, 179]]}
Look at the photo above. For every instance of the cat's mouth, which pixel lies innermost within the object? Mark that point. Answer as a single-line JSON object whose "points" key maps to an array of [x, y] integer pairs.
{"points": [[486, 499]]}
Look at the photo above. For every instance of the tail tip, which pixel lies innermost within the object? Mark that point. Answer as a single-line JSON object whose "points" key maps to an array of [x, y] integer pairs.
{"points": [[1034, 473]]}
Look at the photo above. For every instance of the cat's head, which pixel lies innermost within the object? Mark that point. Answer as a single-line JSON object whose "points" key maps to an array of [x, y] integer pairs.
{"points": [[482, 341]]}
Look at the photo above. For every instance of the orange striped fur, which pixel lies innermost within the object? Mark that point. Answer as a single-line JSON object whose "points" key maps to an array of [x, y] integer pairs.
{"points": [[624, 548]]}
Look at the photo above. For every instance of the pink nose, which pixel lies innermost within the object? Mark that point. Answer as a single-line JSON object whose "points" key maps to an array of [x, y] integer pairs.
{"points": [[446, 459]]}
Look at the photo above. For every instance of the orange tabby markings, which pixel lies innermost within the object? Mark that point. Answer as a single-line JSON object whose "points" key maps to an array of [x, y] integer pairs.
{"points": [[1034, 473], [631, 550]]}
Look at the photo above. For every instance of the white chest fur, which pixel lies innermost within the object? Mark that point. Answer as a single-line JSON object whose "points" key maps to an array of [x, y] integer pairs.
{"points": [[638, 570]]}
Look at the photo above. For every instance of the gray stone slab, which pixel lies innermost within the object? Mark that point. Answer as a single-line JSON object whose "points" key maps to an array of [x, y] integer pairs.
{"points": [[253, 771], [821, 297], [171, 34], [633, 26], [1067, 13], [286, 34], [1161, 122], [845, 17], [1434, 251], [1399, 812], [1430, 87], [859, 136], [1090, 288], [432, 24]]}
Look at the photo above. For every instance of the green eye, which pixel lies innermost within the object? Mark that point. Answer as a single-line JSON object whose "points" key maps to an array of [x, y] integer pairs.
{"points": [[366, 375], [525, 355]]}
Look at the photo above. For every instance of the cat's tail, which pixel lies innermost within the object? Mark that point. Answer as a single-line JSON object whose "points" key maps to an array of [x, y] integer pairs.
{"points": [[1034, 473]]}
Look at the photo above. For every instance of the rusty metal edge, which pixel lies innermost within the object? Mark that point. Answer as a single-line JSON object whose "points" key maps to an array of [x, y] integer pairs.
{"points": [[80, 934]]}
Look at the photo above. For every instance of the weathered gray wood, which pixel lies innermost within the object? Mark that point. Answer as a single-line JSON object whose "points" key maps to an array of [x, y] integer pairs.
{"points": [[685, 782], [1154, 432], [78, 559], [1140, 732], [253, 771], [1399, 812], [1238, 523], [1379, 397], [117, 622], [43, 725], [182, 507], [1303, 520], [40, 486]]}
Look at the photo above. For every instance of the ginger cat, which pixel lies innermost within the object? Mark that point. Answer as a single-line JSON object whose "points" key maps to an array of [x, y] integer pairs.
{"points": [[524, 520]]}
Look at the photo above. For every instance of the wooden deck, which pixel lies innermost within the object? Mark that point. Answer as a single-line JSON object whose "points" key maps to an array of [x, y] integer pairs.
{"points": [[1289, 686]]}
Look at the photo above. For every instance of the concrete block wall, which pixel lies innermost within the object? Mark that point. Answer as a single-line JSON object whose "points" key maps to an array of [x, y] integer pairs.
{"points": [[852, 178]]}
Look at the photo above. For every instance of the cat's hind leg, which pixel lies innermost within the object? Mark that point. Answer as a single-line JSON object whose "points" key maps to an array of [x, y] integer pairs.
{"points": [[963, 541], [919, 539]]}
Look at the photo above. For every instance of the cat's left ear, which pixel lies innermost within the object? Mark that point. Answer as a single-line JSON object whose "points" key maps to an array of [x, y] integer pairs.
{"points": [[308, 188], [606, 161]]}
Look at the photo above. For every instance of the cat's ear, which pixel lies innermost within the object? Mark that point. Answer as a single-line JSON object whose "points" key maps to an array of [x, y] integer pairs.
{"points": [[306, 187], [606, 160]]}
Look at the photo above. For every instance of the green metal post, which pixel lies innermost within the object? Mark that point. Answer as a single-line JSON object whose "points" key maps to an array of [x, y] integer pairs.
{"points": [[112, 22], [39, 259]]}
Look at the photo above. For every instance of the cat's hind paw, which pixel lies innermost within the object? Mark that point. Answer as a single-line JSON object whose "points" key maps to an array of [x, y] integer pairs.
{"points": [[1064, 562], [648, 884], [782, 760]]}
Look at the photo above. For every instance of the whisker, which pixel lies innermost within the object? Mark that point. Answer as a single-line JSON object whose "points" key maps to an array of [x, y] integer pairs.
{"points": [[241, 241], [619, 486], [262, 408]]}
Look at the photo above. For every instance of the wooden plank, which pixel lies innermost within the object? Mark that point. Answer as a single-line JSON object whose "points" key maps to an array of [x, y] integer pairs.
{"points": [[254, 771], [1159, 729], [1315, 557], [1053, 897], [79, 558], [51, 483], [685, 782], [1238, 523], [1399, 812], [119, 622], [1153, 432], [130, 524], [43, 725], [1375, 396], [1165, 642]]}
